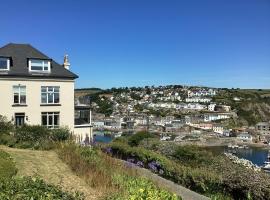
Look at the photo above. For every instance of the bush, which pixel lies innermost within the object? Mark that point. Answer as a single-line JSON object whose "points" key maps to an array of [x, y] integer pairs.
{"points": [[198, 179], [6, 126], [34, 137], [135, 139], [31, 133], [33, 188], [60, 134]]}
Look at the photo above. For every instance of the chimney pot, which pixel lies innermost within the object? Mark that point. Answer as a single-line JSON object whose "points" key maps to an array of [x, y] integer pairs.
{"points": [[66, 62]]}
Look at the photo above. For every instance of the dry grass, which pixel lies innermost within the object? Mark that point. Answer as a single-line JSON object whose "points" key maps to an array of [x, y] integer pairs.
{"points": [[97, 170], [49, 167]]}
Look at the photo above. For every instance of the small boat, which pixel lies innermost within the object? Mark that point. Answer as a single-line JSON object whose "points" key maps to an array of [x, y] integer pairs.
{"points": [[119, 134], [266, 166]]}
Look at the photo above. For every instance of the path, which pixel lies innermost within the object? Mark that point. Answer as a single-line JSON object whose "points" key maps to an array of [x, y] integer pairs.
{"points": [[47, 165]]}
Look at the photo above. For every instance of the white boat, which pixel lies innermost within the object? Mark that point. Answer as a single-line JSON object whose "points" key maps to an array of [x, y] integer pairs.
{"points": [[266, 166]]}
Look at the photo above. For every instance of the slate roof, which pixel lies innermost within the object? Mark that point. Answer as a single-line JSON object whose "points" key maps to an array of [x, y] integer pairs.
{"points": [[19, 55]]}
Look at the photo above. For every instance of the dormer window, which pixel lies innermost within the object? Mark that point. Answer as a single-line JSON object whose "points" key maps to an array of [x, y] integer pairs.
{"points": [[4, 64], [36, 65]]}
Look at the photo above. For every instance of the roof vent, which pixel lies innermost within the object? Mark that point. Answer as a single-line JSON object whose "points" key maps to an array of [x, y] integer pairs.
{"points": [[66, 63]]}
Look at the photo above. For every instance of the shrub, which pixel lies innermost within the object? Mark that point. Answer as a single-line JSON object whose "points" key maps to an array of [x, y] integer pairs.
{"points": [[6, 126], [60, 134], [31, 133], [135, 139], [35, 137], [33, 188]]}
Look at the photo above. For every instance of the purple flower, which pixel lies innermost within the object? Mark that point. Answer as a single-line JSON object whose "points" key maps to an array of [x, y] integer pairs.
{"points": [[140, 164], [152, 166]]}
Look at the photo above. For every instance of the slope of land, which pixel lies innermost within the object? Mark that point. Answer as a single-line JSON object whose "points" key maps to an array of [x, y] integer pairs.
{"points": [[47, 165]]}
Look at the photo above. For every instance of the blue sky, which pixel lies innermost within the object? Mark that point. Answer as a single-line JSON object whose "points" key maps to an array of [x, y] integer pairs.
{"points": [[113, 43]]}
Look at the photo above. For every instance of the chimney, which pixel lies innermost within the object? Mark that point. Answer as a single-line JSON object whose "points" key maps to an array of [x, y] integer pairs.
{"points": [[66, 63]]}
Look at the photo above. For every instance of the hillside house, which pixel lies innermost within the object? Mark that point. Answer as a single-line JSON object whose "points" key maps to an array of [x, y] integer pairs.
{"points": [[263, 128]]}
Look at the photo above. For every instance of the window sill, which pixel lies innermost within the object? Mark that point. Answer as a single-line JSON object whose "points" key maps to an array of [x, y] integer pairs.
{"points": [[53, 104], [19, 105]]}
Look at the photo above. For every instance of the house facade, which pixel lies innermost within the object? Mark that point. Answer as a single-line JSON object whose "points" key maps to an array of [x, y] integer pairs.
{"points": [[34, 89]]}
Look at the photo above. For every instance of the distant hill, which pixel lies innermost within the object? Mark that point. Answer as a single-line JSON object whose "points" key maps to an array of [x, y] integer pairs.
{"points": [[251, 105], [86, 91]]}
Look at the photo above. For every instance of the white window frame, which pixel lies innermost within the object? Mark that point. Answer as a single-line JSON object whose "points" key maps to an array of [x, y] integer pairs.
{"points": [[43, 66], [19, 103], [47, 94], [52, 114], [8, 64]]}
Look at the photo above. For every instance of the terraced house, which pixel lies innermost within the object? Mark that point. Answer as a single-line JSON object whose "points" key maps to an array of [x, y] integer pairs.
{"points": [[34, 89]]}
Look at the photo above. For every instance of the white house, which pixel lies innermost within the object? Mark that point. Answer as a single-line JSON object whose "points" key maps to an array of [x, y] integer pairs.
{"points": [[216, 116], [245, 137], [34, 89], [198, 100]]}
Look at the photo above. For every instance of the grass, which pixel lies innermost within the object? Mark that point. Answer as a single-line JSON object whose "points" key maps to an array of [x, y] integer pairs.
{"points": [[47, 165], [117, 180]]}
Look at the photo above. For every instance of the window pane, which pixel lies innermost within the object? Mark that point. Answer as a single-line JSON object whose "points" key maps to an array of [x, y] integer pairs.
{"points": [[16, 89], [56, 89], [43, 89], [46, 63], [16, 98], [23, 99], [43, 98], [44, 120], [50, 97], [37, 63], [56, 120], [50, 89], [50, 120], [3, 63], [56, 97], [36, 68]]}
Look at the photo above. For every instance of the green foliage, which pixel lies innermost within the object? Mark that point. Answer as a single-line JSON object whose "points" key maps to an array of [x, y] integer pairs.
{"points": [[135, 139], [139, 188], [28, 188], [34, 137], [5, 126], [196, 178], [7, 166], [135, 96], [31, 133], [102, 171], [60, 134], [233, 180]]}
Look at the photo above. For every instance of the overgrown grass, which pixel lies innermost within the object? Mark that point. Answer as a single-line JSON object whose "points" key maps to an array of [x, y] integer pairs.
{"points": [[7, 166], [27, 188], [109, 175]]}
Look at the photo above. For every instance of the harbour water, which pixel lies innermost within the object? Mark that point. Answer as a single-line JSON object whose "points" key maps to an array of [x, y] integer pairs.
{"points": [[255, 154], [104, 137]]}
